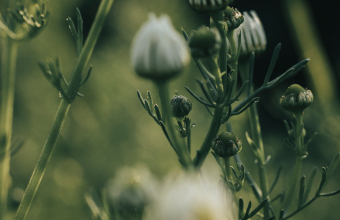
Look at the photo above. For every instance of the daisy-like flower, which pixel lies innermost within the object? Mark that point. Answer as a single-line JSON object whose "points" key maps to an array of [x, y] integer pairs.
{"points": [[253, 37], [159, 52], [187, 198]]}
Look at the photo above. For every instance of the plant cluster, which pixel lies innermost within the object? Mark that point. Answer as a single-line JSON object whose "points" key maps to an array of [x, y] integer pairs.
{"points": [[223, 53]]}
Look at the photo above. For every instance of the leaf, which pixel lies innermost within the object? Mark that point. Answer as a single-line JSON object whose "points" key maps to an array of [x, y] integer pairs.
{"points": [[301, 191], [272, 62]]}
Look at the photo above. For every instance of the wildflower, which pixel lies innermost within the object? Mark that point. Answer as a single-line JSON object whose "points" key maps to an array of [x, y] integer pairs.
{"points": [[131, 191], [159, 52], [186, 198], [226, 144], [296, 98], [253, 37], [202, 6], [180, 106], [204, 42]]}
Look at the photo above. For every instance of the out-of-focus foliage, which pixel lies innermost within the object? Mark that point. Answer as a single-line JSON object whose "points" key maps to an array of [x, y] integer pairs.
{"points": [[108, 128]]}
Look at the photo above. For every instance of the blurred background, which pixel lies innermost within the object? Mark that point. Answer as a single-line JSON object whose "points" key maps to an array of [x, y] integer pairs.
{"points": [[108, 128]]}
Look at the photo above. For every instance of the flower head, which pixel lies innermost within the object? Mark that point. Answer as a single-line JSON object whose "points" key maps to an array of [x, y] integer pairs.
{"points": [[186, 198], [159, 51], [131, 190], [253, 37], [296, 98], [180, 106], [226, 144], [204, 42]]}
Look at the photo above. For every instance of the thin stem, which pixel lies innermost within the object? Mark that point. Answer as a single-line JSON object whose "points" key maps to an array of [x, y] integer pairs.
{"points": [[293, 183], [44, 158], [178, 142], [7, 89], [223, 51], [227, 168], [257, 138], [264, 189], [64, 107], [234, 64]]}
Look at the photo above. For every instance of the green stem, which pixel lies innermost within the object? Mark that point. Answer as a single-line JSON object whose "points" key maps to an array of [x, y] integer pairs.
{"points": [[257, 138], [227, 167], [44, 158], [264, 189], [234, 63], [64, 107], [7, 89], [217, 17], [178, 142], [293, 183], [298, 162], [216, 122]]}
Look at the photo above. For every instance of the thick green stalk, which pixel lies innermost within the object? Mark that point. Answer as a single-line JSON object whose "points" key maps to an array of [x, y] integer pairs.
{"points": [[7, 88], [64, 106], [216, 122], [178, 142]]}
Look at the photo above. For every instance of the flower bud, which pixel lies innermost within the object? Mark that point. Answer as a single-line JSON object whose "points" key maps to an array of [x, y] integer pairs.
{"points": [[180, 106], [159, 52], [233, 18], [205, 42], [226, 144], [296, 98], [202, 6]]}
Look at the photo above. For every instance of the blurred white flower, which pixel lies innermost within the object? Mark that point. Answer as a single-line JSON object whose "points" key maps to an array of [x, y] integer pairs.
{"points": [[186, 198], [253, 37], [158, 50], [132, 190]]}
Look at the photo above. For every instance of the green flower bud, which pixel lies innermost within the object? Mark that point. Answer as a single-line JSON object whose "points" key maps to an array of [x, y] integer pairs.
{"points": [[233, 18], [159, 52], [296, 98], [204, 42], [226, 144], [203, 6], [180, 106]]}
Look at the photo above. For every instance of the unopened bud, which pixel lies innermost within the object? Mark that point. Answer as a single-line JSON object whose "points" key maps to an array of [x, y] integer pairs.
{"points": [[226, 144], [233, 18], [296, 98], [180, 106], [205, 42]]}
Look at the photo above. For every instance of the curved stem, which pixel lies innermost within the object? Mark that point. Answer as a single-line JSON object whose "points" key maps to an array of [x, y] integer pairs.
{"points": [[7, 89]]}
